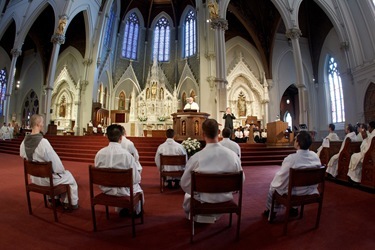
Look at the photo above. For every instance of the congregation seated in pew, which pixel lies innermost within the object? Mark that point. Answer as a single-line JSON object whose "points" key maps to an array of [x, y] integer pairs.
{"points": [[332, 136]]}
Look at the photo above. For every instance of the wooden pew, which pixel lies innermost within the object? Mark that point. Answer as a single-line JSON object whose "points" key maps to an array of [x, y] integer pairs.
{"points": [[368, 167], [326, 153], [344, 158]]}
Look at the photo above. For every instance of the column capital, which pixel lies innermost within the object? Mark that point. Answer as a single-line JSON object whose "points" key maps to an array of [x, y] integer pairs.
{"points": [[57, 38], [16, 52], [293, 33], [219, 23], [211, 81], [87, 61]]}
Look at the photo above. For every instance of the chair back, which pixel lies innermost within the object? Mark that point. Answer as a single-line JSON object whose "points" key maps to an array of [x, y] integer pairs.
{"points": [[176, 160], [216, 183], [37, 169], [111, 177], [306, 176]]}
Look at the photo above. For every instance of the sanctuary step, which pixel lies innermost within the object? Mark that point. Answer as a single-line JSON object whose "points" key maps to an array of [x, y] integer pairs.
{"points": [[84, 149]]}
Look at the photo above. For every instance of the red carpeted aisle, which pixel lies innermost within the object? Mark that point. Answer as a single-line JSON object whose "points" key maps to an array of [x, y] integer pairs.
{"points": [[346, 221]]}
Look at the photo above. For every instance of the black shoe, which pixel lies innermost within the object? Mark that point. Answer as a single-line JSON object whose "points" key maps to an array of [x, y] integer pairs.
{"points": [[124, 213], [293, 212], [57, 202], [73, 207], [169, 185], [138, 215], [266, 214], [176, 184]]}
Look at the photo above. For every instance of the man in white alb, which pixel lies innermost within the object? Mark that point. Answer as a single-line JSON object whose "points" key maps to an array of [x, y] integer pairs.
{"points": [[114, 156], [191, 105], [228, 143], [170, 147], [129, 146], [36, 148], [213, 158], [332, 136], [333, 162]]}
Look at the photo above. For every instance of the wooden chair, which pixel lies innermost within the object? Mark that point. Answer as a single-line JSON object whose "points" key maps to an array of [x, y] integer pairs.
{"points": [[216, 183], [170, 160], [43, 170], [300, 178], [110, 177]]}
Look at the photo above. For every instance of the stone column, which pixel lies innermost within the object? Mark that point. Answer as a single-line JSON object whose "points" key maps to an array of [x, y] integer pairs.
{"points": [[265, 101], [293, 34], [57, 40], [15, 53], [220, 25]]}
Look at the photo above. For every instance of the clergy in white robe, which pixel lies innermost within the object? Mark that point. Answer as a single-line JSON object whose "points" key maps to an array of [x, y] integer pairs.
{"points": [[228, 143], [303, 158], [333, 162], [5, 132], [36, 148], [332, 136], [170, 147], [213, 158], [129, 146], [114, 156], [191, 105], [355, 165]]}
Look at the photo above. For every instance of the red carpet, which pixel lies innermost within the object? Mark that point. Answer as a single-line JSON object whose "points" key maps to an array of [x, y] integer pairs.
{"points": [[346, 222]]}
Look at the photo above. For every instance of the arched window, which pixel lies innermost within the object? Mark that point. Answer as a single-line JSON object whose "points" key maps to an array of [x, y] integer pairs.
{"points": [[288, 119], [130, 42], [335, 91], [108, 31], [161, 40], [30, 107], [3, 89], [190, 34]]}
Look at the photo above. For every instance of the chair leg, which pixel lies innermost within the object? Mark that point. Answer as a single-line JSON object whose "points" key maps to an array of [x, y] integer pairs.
{"points": [[270, 215], [286, 219], [106, 212], [133, 213], [238, 225], [93, 217], [230, 219], [54, 207], [29, 202], [69, 198], [301, 212], [161, 184], [318, 216], [141, 210], [45, 200], [192, 227]]}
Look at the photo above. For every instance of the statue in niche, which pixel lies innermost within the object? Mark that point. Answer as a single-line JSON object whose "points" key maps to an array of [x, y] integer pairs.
{"points": [[213, 9], [241, 104], [153, 91], [161, 94], [62, 108], [61, 27], [147, 93], [121, 102], [130, 102]]}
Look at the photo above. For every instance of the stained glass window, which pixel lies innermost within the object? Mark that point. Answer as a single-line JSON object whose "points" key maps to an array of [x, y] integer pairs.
{"points": [[130, 42], [3, 89], [335, 90], [108, 32], [161, 40], [190, 34]]}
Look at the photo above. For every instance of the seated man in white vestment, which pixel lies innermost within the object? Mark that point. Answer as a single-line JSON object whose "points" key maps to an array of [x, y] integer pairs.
{"points": [[36, 148], [303, 158], [355, 165], [332, 136], [191, 105], [129, 146], [333, 162], [170, 147], [213, 158], [238, 135], [5, 132], [114, 156], [228, 143]]}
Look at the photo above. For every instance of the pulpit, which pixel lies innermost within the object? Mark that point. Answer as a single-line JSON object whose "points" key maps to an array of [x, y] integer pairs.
{"points": [[276, 134], [188, 124]]}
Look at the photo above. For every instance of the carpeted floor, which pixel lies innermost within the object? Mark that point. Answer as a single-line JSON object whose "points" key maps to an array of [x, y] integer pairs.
{"points": [[347, 220]]}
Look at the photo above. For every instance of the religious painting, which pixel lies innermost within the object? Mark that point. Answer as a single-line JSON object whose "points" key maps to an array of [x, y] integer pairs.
{"points": [[62, 107], [241, 104], [183, 100], [147, 93]]}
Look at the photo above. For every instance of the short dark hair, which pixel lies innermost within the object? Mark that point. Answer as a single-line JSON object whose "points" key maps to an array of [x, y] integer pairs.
{"points": [[332, 126], [210, 128], [169, 133], [350, 127], [114, 132], [372, 124], [226, 132], [364, 126], [304, 140], [122, 130]]}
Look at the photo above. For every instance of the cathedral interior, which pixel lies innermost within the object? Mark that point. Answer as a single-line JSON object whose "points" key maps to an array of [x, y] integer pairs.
{"points": [[136, 62]]}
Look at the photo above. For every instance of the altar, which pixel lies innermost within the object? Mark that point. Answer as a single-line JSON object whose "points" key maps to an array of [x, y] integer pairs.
{"points": [[189, 124]]}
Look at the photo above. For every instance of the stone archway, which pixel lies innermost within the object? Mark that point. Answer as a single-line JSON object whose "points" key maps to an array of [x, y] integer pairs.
{"points": [[369, 104]]}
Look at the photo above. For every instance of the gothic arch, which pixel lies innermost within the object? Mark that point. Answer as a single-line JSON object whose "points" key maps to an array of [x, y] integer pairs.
{"points": [[369, 103]]}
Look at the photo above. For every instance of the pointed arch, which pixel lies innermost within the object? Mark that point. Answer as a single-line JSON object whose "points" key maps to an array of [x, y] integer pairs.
{"points": [[133, 23], [161, 27], [30, 107]]}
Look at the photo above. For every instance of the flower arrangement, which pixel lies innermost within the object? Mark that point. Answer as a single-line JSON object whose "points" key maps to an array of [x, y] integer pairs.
{"points": [[191, 145], [162, 118], [142, 118]]}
